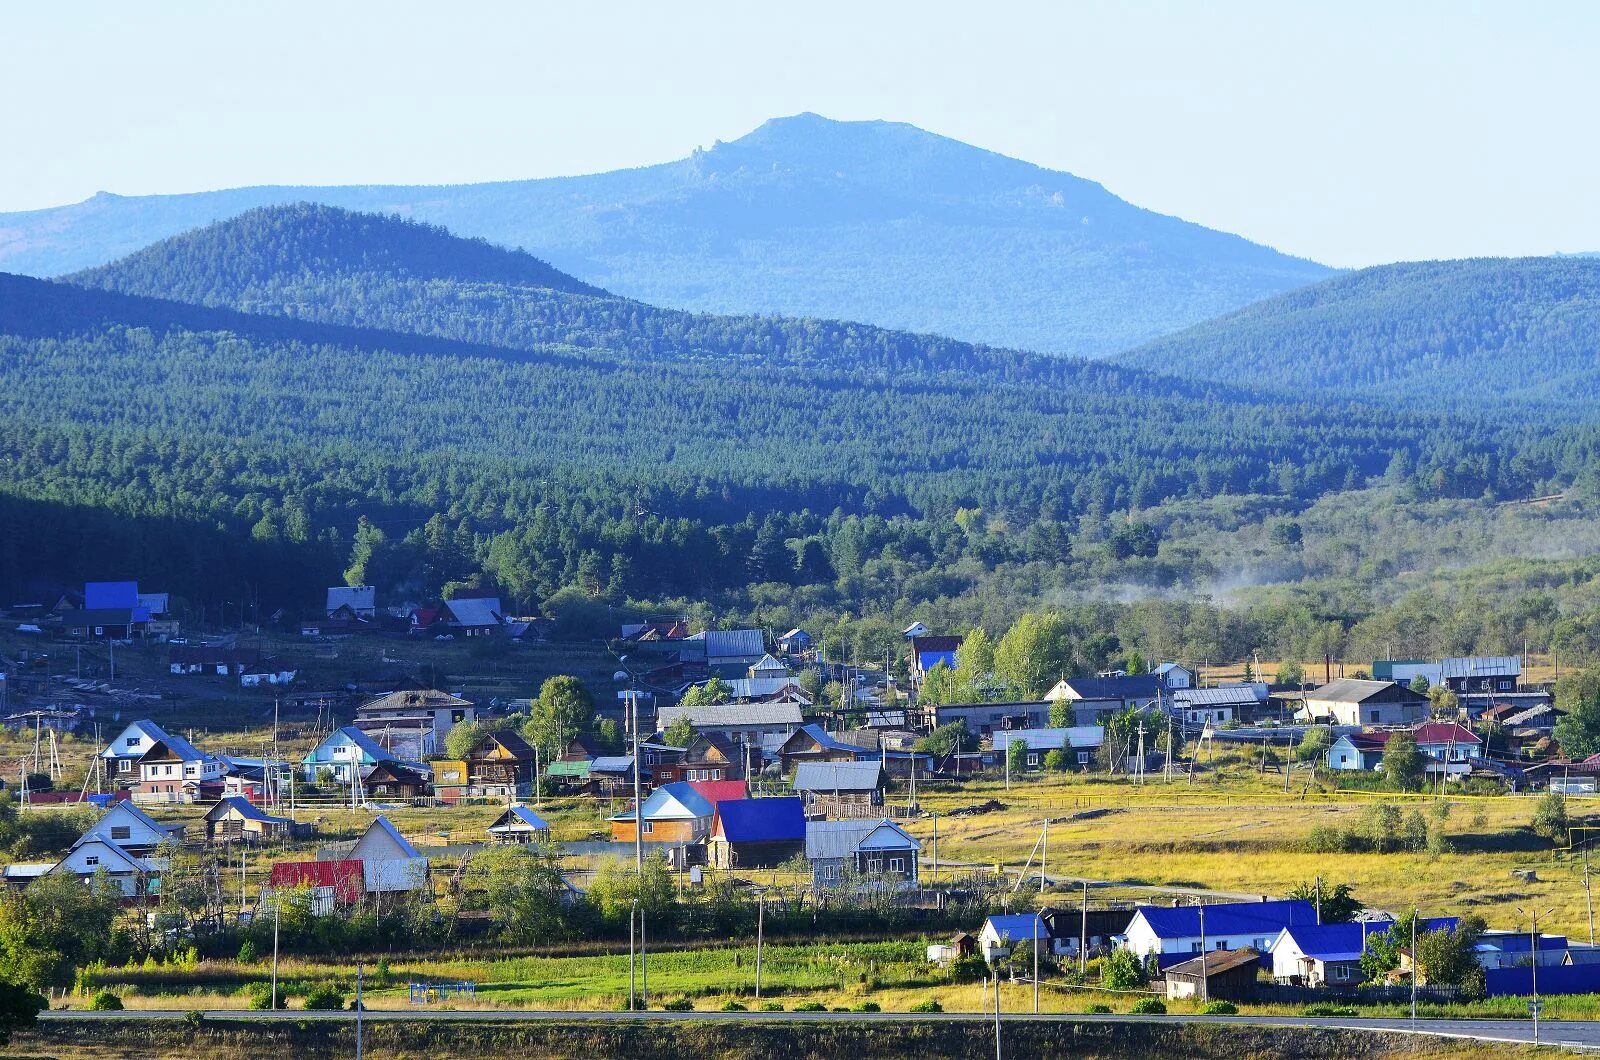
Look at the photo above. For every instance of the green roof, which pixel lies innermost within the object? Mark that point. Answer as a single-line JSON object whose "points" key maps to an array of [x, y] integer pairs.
{"points": [[568, 769]]}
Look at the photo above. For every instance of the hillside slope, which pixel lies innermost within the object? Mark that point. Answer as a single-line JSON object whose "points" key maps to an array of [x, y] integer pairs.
{"points": [[872, 221], [1440, 334]]}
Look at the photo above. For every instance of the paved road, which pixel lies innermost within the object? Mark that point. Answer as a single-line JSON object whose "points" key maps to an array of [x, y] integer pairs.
{"points": [[1574, 1033]]}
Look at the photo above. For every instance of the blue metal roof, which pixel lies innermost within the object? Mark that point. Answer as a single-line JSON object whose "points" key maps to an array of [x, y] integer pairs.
{"points": [[1018, 926], [927, 660], [819, 734], [1232, 918], [762, 820]]}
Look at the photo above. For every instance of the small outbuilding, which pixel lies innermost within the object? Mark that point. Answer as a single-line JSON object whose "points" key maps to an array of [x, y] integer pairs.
{"points": [[1218, 975], [519, 825], [235, 819]]}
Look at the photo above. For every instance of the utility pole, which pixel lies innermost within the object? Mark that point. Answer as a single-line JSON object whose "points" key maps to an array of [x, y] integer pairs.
{"points": [[633, 914], [935, 865], [761, 916], [1588, 898], [997, 1055], [1083, 934], [638, 805], [1205, 980], [358, 1010], [1044, 856], [1533, 945], [1414, 917], [1319, 901], [275, 907], [1037, 924]]}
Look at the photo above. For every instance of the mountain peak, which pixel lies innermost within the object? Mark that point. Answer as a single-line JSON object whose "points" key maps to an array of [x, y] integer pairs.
{"points": [[309, 237]]}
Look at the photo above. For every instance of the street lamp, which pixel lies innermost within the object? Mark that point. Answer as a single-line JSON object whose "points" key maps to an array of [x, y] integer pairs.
{"points": [[1533, 944]]}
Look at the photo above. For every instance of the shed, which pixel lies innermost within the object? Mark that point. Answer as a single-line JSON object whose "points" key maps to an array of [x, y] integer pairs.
{"points": [[519, 825], [234, 819], [1226, 974]]}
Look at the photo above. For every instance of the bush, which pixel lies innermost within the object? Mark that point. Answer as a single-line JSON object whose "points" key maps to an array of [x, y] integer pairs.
{"points": [[1550, 819], [1149, 1006], [811, 1006], [678, 1004], [325, 997], [733, 1006], [771, 1006], [929, 1005], [247, 951], [105, 1001], [867, 1006], [1219, 1008], [261, 997], [1098, 1009], [1122, 970], [968, 970]]}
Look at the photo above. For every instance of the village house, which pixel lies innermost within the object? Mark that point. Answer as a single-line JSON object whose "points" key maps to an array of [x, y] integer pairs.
{"points": [[519, 826], [711, 757], [673, 813], [1005, 934], [612, 775], [795, 642], [235, 820], [126, 826], [1358, 751], [449, 779], [174, 770], [841, 789], [756, 833], [332, 886], [1174, 933], [100, 623], [1078, 745], [473, 614], [1350, 701], [986, 718], [1126, 691], [389, 863], [412, 724], [1219, 705], [1330, 954], [928, 652], [812, 743], [134, 875], [738, 723], [392, 780], [727, 653], [359, 601], [1484, 673], [343, 756], [501, 766], [1174, 675], [121, 756], [1216, 975], [572, 764], [864, 851]]}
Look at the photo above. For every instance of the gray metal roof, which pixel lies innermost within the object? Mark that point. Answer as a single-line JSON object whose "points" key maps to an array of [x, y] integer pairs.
{"points": [[1482, 666], [838, 776], [734, 643], [1077, 736], [827, 840], [1227, 695], [731, 714], [1348, 690]]}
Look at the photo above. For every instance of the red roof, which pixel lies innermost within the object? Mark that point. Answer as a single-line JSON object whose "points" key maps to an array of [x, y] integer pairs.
{"points": [[715, 791], [347, 878], [1445, 732], [1369, 741]]}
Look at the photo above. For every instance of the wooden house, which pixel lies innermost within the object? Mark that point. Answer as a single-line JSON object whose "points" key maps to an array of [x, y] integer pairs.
{"points": [[841, 789], [711, 757], [236, 820], [501, 765], [391, 780], [1227, 975], [878, 852], [813, 743], [519, 825], [673, 813], [756, 833]]}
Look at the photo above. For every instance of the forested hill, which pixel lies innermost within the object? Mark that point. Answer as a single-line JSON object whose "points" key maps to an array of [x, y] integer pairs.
{"points": [[220, 263], [1463, 335], [872, 221], [325, 264]]}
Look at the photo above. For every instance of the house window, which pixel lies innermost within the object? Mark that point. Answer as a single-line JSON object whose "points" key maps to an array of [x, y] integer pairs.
{"points": [[1373, 717], [133, 741], [649, 826], [124, 765], [92, 860], [830, 872], [1341, 973], [1194, 947], [121, 831], [897, 865], [1033, 759], [1083, 758], [875, 865]]}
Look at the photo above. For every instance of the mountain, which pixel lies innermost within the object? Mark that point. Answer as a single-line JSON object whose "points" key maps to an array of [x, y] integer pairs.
{"points": [[872, 221], [1452, 335]]}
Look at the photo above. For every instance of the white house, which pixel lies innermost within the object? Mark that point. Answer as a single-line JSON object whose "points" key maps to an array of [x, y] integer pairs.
{"points": [[1218, 706], [129, 872], [1174, 675], [1003, 935], [1174, 933], [1349, 701], [126, 826], [122, 754], [360, 599], [388, 861], [1079, 743], [411, 724], [173, 770]]}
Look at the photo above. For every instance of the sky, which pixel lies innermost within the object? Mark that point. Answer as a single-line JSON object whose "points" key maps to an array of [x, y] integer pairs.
{"points": [[1350, 132]]}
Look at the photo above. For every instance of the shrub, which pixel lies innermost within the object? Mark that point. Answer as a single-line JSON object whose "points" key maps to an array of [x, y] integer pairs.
{"points": [[771, 1006], [105, 1001], [261, 997], [1122, 970], [678, 1004], [867, 1006], [733, 1006], [247, 951], [1098, 1009], [1219, 1008], [383, 977], [930, 1005], [325, 997], [811, 1006], [968, 970], [1149, 1006]]}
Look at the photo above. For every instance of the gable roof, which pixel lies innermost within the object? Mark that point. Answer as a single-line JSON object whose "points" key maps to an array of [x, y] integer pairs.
{"points": [[823, 739], [1230, 918], [1128, 686], [1076, 736], [717, 792], [357, 598], [101, 595], [181, 748], [1436, 732], [145, 728], [726, 714], [672, 802], [125, 810], [383, 840], [512, 742], [838, 776], [1017, 926], [1481, 666], [244, 808], [610, 764], [422, 699], [1353, 690], [519, 819], [734, 643], [1222, 696], [474, 612], [1215, 962], [826, 840], [352, 735], [939, 645], [1367, 742], [767, 662], [761, 820]]}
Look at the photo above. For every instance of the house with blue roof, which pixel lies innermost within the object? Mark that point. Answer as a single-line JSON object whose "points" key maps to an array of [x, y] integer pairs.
{"points": [[1330, 954], [1176, 933], [521, 825], [812, 743], [757, 833], [673, 813]]}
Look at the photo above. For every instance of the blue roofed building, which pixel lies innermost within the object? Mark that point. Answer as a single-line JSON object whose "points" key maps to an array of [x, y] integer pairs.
{"points": [[343, 753], [928, 652], [1176, 933], [1330, 954], [1003, 935], [757, 833]]}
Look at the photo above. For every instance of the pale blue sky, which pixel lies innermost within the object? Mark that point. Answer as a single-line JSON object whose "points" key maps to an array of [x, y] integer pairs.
{"points": [[1350, 132]]}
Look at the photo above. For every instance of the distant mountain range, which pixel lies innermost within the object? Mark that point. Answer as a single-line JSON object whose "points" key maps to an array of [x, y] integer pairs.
{"points": [[1464, 337], [870, 221]]}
